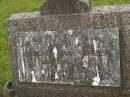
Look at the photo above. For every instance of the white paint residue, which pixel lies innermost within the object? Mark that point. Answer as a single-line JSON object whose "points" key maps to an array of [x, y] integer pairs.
{"points": [[48, 32], [72, 83], [56, 76], [19, 75], [64, 47], [22, 59], [43, 72], [58, 67], [70, 32], [96, 79], [23, 66], [55, 52], [76, 41], [64, 73], [95, 46], [27, 39], [85, 61], [33, 77], [80, 48], [107, 85]]}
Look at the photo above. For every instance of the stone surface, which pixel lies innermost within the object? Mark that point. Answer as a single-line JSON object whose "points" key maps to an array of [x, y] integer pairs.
{"points": [[65, 7], [77, 57], [99, 18]]}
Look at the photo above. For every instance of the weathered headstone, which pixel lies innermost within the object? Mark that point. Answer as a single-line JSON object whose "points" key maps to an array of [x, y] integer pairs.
{"points": [[80, 57], [71, 50], [52, 7]]}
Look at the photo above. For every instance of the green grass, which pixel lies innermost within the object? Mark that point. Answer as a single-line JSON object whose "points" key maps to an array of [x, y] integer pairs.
{"points": [[8, 7], [109, 2]]}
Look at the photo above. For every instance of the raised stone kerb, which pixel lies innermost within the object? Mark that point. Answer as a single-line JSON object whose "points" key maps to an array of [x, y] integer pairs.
{"points": [[65, 7]]}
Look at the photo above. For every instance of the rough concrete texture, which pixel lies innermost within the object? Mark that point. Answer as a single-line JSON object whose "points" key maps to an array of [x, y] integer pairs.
{"points": [[99, 18]]}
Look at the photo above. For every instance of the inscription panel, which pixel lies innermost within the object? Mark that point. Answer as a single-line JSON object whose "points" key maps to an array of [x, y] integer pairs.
{"points": [[77, 57]]}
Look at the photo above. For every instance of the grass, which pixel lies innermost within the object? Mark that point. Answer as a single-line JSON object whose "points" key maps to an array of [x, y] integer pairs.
{"points": [[109, 2], [8, 7]]}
